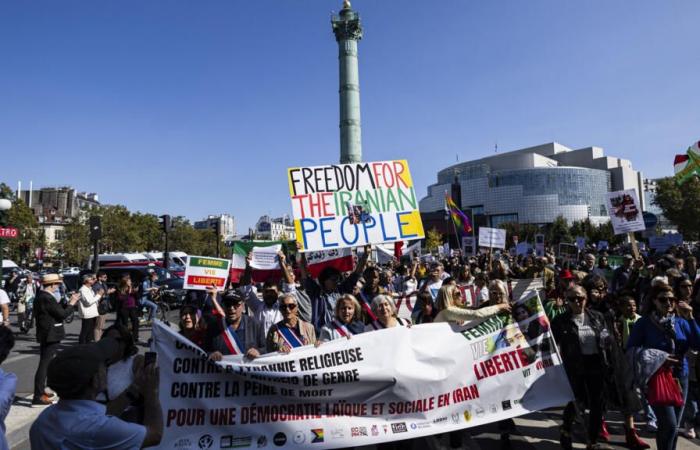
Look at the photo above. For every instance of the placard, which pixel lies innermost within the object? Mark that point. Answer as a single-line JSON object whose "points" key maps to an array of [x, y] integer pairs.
{"points": [[468, 246], [351, 205], [492, 237], [265, 258], [201, 272], [625, 212]]}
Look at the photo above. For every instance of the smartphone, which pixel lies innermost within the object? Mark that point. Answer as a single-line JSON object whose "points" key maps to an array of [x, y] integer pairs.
{"points": [[150, 358]]}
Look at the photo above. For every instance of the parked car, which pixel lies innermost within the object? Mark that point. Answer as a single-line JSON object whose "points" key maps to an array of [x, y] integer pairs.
{"points": [[70, 271], [174, 292]]}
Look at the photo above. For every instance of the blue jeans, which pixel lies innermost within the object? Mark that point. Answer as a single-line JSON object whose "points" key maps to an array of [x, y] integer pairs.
{"points": [[152, 308], [668, 419], [692, 403]]}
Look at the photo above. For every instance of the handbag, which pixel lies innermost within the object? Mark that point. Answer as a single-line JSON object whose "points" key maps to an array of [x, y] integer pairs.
{"points": [[104, 306], [663, 389]]}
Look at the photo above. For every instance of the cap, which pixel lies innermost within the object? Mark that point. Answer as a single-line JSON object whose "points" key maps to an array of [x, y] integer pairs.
{"points": [[566, 274], [73, 368], [50, 278], [231, 297]]}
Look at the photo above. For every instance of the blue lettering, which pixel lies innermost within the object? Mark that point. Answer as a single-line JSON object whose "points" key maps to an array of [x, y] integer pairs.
{"points": [[371, 223], [342, 231], [401, 224], [325, 231], [381, 222], [304, 231]]}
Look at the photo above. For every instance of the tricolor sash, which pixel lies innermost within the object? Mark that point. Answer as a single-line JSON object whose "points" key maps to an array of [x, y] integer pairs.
{"points": [[289, 336], [341, 328], [233, 343], [376, 324]]}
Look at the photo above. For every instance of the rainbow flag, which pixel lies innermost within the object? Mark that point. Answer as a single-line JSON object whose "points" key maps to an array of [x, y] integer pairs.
{"points": [[460, 219]]}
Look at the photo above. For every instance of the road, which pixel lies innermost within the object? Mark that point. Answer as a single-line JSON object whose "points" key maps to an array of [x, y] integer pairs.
{"points": [[534, 431]]}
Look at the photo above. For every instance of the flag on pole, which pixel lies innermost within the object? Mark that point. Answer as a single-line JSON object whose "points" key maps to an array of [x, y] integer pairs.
{"points": [[460, 219], [687, 166]]}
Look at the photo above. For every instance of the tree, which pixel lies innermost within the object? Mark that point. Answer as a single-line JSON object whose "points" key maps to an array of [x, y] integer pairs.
{"points": [[558, 232], [525, 231], [680, 205], [433, 239]]}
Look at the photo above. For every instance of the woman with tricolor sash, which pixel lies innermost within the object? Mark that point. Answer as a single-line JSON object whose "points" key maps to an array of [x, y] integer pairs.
{"points": [[382, 314], [234, 333], [291, 332], [347, 320]]}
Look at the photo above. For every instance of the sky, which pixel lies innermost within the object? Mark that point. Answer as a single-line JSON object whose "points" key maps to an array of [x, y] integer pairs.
{"points": [[195, 108]]}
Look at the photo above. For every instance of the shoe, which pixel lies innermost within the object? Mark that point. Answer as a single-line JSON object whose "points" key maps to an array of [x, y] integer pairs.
{"points": [[651, 426], [604, 434], [565, 439], [44, 400], [689, 431], [634, 441]]}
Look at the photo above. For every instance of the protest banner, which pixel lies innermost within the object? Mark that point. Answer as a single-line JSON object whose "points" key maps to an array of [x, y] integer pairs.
{"points": [[581, 243], [381, 386], [602, 245], [468, 246], [625, 212], [201, 272], [265, 263], [523, 248], [351, 205], [539, 245], [492, 237]]}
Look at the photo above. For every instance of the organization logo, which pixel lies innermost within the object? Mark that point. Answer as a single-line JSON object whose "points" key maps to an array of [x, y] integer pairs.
{"points": [[414, 426], [299, 437], [183, 444], [205, 442], [337, 433], [375, 430], [317, 435], [262, 441], [386, 429], [467, 415], [235, 442], [420, 425], [479, 411], [440, 420], [505, 404], [399, 427], [358, 431], [279, 439], [455, 418]]}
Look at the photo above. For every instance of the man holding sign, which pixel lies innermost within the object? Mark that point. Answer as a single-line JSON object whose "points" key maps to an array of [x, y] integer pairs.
{"points": [[235, 333]]}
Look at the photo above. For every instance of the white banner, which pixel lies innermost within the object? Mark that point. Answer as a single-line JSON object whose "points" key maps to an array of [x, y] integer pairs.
{"points": [[380, 386], [625, 212], [201, 272], [266, 258], [492, 237]]}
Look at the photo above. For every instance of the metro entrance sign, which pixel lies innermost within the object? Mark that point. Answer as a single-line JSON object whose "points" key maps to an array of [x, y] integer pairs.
{"points": [[9, 232]]}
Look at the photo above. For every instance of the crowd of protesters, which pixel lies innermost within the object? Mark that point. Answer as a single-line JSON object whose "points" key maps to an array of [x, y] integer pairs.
{"points": [[621, 333]]}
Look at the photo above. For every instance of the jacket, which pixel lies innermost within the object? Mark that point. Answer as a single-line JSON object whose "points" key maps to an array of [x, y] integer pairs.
{"points": [[49, 318], [565, 334], [87, 306], [275, 341], [254, 335]]}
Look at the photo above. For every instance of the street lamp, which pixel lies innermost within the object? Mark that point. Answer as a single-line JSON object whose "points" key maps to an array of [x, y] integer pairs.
{"points": [[5, 205]]}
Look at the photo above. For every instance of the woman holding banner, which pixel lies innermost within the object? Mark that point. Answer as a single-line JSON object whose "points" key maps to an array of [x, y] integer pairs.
{"points": [[382, 314], [291, 332], [347, 322], [450, 305]]}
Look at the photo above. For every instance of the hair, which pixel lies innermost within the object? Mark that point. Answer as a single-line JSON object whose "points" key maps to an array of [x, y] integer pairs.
{"points": [[518, 306], [87, 276], [500, 284], [101, 272], [381, 298], [370, 269], [122, 286], [327, 273], [7, 341], [593, 281], [288, 295], [125, 336], [357, 315], [191, 309], [445, 297], [460, 272]]}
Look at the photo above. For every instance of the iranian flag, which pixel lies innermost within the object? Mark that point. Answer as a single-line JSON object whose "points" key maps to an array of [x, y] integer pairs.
{"points": [[265, 263], [340, 259]]}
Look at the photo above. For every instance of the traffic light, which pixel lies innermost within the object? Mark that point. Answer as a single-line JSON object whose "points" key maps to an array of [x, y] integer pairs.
{"points": [[216, 226], [95, 228], [165, 223]]}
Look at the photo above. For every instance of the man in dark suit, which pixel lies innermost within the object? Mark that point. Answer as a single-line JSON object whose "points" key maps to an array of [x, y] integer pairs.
{"points": [[49, 330]]}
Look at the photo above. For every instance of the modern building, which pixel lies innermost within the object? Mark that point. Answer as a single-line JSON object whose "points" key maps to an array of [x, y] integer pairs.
{"points": [[228, 225], [664, 224], [533, 185], [274, 229]]}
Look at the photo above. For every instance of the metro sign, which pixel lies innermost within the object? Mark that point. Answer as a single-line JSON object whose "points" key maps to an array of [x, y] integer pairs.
{"points": [[9, 232]]}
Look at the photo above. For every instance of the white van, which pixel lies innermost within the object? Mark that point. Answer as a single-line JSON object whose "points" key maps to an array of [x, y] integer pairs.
{"points": [[179, 258], [107, 258]]}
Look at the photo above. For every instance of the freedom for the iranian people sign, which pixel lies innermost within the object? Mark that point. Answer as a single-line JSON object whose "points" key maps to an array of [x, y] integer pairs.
{"points": [[201, 272], [385, 385], [350, 205], [625, 212]]}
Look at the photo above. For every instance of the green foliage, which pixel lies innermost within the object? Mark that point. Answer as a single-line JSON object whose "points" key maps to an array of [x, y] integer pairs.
{"points": [[20, 216], [525, 231], [558, 231], [433, 239], [680, 205]]}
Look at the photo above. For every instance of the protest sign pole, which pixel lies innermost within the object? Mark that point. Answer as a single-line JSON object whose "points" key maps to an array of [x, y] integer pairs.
{"points": [[635, 247]]}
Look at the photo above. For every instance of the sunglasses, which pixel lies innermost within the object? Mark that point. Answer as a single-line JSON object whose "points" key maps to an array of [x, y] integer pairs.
{"points": [[666, 299], [288, 306], [577, 299]]}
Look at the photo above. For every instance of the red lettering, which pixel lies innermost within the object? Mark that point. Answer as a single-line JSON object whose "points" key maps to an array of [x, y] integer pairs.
{"points": [[398, 170], [523, 357], [479, 376], [300, 199], [507, 365], [490, 369], [497, 362], [326, 204], [386, 170], [377, 175]]}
